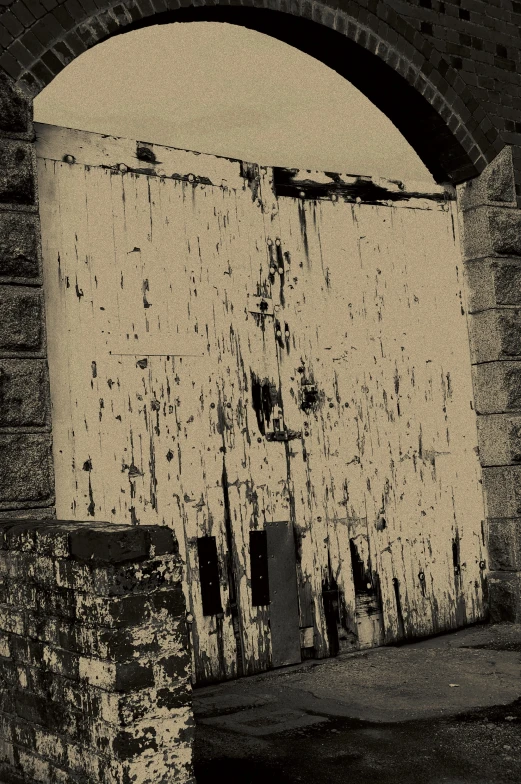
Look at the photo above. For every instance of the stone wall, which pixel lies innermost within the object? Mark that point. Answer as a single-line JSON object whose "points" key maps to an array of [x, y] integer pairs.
{"points": [[26, 471], [94, 668], [491, 244]]}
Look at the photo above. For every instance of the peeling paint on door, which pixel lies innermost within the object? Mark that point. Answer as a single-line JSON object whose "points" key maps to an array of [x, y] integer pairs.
{"points": [[242, 358]]}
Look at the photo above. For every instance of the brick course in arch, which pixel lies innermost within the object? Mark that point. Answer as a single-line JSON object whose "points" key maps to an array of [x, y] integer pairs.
{"points": [[449, 76], [409, 79]]}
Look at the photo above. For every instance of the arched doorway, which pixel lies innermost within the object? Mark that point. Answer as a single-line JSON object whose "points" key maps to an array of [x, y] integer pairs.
{"points": [[376, 49]]}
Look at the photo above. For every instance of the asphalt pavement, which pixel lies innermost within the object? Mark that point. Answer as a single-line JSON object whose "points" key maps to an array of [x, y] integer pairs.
{"points": [[443, 710]]}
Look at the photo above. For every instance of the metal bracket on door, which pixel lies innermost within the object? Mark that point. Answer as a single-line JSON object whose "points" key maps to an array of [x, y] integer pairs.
{"points": [[262, 306], [283, 435]]}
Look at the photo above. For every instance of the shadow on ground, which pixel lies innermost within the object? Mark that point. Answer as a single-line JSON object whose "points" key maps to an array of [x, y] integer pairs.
{"points": [[443, 710]]}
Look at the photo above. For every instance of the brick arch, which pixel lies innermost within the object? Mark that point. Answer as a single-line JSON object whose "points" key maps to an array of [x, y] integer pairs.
{"points": [[393, 64]]}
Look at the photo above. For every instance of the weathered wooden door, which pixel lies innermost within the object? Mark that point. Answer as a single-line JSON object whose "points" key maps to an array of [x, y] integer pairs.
{"points": [[375, 374], [164, 377], [271, 367]]}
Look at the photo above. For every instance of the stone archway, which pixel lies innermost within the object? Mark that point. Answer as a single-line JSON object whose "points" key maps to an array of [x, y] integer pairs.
{"points": [[399, 62]]}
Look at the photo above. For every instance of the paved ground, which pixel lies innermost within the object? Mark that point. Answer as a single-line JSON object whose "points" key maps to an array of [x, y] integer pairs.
{"points": [[442, 710]]}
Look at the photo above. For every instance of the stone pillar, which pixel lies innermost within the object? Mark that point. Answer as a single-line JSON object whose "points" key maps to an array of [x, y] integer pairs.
{"points": [[94, 659], [491, 244], [26, 470]]}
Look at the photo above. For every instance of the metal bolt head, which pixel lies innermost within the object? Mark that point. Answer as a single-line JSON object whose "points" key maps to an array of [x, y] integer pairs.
{"points": [[272, 270], [69, 158], [482, 564], [358, 200], [123, 167], [302, 194], [421, 577], [334, 197], [270, 243], [280, 270], [191, 178], [277, 242]]}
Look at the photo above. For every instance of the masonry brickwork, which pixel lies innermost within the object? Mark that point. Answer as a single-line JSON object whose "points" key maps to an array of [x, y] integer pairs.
{"points": [[94, 669]]}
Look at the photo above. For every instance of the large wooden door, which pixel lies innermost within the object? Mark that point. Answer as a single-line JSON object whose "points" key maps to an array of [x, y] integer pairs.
{"points": [[165, 376], [266, 366], [375, 373]]}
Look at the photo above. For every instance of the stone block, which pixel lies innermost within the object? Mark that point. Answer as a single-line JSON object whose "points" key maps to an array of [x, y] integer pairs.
{"points": [[24, 393], [495, 334], [15, 108], [497, 387], [504, 544], [502, 488], [109, 544], [491, 231], [499, 438], [17, 176], [26, 470], [491, 282], [21, 325], [19, 239], [495, 184], [504, 590]]}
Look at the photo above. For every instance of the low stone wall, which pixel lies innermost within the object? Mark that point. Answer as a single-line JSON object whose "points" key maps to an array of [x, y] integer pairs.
{"points": [[94, 663]]}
